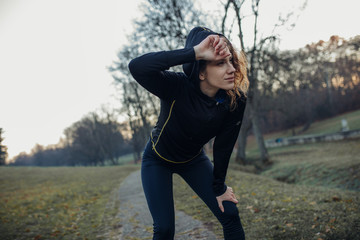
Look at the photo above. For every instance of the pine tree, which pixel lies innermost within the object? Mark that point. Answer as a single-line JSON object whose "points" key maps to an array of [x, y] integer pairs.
{"points": [[3, 149]]}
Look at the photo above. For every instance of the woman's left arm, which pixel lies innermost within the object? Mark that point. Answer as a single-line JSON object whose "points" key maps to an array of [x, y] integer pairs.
{"points": [[224, 144]]}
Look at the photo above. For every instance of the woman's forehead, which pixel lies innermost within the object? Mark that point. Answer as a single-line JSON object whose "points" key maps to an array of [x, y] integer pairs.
{"points": [[228, 58]]}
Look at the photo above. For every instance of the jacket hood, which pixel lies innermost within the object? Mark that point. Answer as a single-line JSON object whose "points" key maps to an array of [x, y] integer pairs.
{"points": [[195, 36]]}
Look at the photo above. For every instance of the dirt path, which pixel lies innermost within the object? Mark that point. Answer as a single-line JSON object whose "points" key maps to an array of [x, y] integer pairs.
{"points": [[136, 221]]}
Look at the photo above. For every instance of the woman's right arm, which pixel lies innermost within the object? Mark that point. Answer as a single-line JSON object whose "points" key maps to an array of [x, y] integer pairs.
{"points": [[149, 70]]}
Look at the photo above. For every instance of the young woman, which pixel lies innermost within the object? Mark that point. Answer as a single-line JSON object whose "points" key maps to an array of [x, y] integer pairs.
{"points": [[206, 101]]}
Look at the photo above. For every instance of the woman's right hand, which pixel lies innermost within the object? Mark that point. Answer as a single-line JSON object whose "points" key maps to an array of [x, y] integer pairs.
{"points": [[212, 48], [228, 195]]}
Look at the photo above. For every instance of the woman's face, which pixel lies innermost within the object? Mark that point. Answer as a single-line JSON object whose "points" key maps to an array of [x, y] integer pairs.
{"points": [[217, 75]]}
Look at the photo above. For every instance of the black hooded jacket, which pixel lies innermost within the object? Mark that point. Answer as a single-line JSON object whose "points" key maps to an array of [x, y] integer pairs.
{"points": [[188, 118]]}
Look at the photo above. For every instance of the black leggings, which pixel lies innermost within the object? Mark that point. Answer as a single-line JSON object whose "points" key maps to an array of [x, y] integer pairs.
{"points": [[156, 177]]}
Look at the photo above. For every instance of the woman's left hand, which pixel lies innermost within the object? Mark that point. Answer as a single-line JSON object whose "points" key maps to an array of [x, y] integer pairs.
{"points": [[228, 195], [212, 48]]}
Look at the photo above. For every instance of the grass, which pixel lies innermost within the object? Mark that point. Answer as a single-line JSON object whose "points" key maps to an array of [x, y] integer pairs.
{"points": [[270, 209], [331, 164], [79, 203], [126, 159], [334, 124], [122, 160], [58, 202]]}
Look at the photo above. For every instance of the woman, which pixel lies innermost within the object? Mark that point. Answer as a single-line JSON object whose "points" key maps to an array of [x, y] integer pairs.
{"points": [[205, 101]]}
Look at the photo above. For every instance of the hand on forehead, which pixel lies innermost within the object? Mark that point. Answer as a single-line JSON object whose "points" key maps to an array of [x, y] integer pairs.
{"points": [[221, 47]]}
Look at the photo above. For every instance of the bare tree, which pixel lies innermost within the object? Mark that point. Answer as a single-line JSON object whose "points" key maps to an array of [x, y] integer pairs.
{"points": [[304, 79], [255, 52], [3, 149], [163, 27], [92, 140]]}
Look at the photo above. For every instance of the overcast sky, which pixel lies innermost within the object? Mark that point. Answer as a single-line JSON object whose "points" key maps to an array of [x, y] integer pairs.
{"points": [[54, 54]]}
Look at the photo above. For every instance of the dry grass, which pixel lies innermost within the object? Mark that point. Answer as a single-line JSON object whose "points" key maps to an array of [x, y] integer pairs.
{"points": [[318, 206], [57, 203], [270, 209], [331, 164]]}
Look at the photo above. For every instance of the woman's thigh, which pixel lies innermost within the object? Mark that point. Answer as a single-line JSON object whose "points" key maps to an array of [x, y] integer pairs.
{"points": [[199, 176], [158, 189]]}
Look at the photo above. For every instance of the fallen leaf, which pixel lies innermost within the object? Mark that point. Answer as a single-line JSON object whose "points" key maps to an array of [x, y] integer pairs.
{"points": [[37, 237], [259, 219], [287, 199], [270, 192], [336, 199]]}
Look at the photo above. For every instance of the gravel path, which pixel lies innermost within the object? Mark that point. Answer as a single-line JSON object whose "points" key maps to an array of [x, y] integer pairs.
{"points": [[136, 221]]}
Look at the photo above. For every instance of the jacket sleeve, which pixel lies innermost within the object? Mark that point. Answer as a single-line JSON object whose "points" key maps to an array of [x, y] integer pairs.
{"points": [[149, 70], [224, 144]]}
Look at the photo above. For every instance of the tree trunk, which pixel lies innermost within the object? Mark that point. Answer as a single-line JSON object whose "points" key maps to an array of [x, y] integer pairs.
{"points": [[240, 154], [309, 111], [264, 156], [329, 96]]}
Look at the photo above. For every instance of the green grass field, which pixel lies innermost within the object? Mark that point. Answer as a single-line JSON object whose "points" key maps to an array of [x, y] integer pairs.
{"points": [[58, 203]]}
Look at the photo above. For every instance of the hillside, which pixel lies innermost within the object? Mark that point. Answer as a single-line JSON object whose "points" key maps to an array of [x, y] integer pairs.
{"points": [[330, 164], [329, 125]]}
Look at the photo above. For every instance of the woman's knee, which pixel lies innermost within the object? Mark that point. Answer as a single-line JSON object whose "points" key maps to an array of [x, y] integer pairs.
{"points": [[230, 210], [164, 231], [231, 223]]}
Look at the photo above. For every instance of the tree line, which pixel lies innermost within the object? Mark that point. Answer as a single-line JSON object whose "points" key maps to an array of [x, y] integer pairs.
{"points": [[3, 149], [95, 140]]}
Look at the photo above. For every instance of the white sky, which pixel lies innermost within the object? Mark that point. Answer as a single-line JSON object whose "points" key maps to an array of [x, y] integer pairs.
{"points": [[54, 54]]}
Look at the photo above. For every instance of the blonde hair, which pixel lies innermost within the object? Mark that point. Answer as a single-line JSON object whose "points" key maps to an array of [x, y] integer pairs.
{"points": [[241, 84]]}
